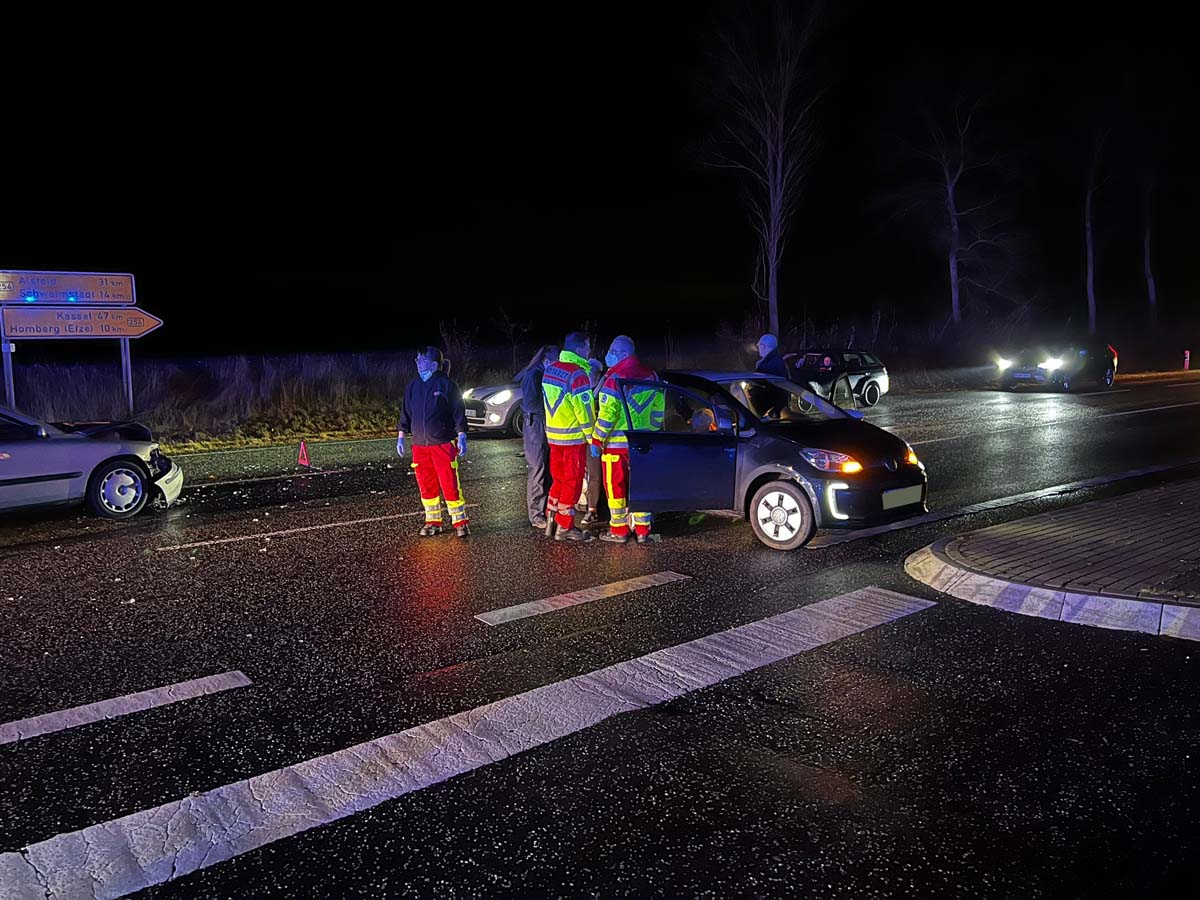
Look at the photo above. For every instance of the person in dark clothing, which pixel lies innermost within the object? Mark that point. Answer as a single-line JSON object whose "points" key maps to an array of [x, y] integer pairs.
{"points": [[434, 419], [537, 451], [770, 362], [770, 400]]}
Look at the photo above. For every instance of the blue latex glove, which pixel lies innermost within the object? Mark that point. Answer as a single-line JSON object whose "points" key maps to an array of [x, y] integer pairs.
{"points": [[462, 445], [595, 450], [400, 446]]}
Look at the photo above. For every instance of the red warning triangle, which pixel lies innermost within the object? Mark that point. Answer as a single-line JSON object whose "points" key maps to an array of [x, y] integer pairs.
{"points": [[303, 459]]}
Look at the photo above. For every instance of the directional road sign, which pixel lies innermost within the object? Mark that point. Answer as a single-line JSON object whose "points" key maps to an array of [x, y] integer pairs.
{"points": [[92, 288], [67, 322]]}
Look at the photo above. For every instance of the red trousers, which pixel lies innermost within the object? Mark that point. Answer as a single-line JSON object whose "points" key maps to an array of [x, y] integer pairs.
{"points": [[436, 469], [616, 486], [567, 467]]}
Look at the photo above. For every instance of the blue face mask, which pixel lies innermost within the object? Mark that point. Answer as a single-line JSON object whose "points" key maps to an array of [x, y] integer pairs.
{"points": [[425, 376], [611, 359]]}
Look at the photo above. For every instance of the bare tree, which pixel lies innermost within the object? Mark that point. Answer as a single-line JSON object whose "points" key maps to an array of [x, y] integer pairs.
{"points": [[1147, 220], [1094, 183], [513, 330], [764, 98], [960, 204]]}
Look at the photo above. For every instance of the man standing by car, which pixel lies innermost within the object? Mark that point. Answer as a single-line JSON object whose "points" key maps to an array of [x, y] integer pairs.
{"points": [[534, 434], [435, 420], [647, 405], [567, 394], [769, 360]]}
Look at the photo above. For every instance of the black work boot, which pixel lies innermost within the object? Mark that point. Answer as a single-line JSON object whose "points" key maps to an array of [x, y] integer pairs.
{"points": [[614, 538], [462, 531], [573, 534], [551, 524], [429, 530]]}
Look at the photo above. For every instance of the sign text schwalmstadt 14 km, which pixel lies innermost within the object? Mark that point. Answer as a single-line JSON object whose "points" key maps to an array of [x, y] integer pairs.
{"points": [[67, 287], [74, 322]]}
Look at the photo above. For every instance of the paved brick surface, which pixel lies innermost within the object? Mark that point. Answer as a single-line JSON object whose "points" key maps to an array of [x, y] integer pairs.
{"points": [[1144, 545]]}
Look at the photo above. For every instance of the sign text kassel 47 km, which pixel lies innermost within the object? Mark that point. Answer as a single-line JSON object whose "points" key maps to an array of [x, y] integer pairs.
{"points": [[52, 306]]}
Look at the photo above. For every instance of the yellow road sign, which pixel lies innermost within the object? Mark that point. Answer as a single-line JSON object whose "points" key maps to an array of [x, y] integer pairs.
{"points": [[66, 322], [92, 288]]}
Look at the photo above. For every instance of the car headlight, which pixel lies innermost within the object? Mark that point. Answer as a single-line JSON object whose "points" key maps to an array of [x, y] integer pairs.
{"points": [[1050, 364], [467, 393], [501, 397], [829, 461], [1003, 363]]}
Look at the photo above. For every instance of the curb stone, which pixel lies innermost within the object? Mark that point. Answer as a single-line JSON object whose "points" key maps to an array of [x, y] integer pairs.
{"points": [[930, 566]]}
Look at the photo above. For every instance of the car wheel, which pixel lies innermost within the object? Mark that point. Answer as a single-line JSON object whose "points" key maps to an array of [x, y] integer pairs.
{"points": [[516, 423], [782, 516], [118, 489], [1109, 377], [871, 394]]}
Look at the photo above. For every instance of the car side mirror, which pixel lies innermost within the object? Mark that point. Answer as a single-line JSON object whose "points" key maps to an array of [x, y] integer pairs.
{"points": [[724, 424]]}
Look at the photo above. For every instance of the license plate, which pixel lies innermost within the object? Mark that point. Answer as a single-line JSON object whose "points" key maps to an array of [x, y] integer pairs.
{"points": [[902, 497]]}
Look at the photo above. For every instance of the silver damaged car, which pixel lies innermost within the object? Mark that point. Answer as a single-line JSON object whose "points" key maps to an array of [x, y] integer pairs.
{"points": [[116, 468]]}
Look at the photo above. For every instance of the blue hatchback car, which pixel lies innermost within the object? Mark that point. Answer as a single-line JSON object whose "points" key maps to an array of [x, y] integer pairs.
{"points": [[786, 459]]}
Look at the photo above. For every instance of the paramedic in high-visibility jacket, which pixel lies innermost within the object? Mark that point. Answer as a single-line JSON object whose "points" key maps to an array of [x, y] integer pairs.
{"points": [[646, 405], [435, 421], [567, 396]]}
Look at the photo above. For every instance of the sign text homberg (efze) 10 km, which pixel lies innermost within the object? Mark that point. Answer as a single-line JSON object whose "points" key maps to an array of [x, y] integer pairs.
{"points": [[58, 323]]}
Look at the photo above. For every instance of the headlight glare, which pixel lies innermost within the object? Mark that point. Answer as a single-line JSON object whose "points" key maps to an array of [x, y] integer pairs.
{"points": [[467, 393], [1003, 363], [500, 397], [1050, 364]]}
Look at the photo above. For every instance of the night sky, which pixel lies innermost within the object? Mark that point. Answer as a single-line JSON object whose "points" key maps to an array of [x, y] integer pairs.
{"points": [[329, 185]]}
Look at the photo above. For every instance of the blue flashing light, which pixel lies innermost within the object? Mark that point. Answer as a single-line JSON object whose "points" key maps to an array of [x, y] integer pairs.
{"points": [[31, 299], [72, 300]]}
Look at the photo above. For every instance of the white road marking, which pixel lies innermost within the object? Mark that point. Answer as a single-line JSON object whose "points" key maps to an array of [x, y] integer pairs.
{"points": [[587, 595], [845, 537], [47, 723], [1135, 412], [1184, 384], [1109, 415], [153, 846], [1104, 393], [290, 531]]}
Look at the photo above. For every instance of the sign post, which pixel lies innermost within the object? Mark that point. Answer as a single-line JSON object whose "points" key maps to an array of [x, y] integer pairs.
{"points": [[71, 306]]}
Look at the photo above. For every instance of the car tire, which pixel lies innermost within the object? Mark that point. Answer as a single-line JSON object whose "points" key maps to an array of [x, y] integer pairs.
{"points": [[118, 489], [788, 514], [871, 394], [1109, 378], [516, 423]]}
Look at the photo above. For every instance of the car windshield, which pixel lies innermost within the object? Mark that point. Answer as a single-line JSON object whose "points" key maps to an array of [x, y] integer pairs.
{"points": [[776, 400]]}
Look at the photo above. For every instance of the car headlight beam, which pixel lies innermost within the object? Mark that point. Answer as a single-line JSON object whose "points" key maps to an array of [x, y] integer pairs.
{"points": [[1050, 364], [467, 393], [500, 397], [1003, 363]]}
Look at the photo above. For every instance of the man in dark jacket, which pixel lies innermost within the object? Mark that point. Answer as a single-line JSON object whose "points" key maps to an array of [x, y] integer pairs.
{"points": [[434, 419], [533, 433], [769, 360]]}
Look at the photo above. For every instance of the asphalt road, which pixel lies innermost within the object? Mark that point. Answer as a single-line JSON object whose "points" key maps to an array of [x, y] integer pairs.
{"points": [[918, 751]]}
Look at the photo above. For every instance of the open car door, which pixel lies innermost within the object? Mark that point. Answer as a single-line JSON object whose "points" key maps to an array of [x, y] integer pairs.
{"points": [[687, 459]]}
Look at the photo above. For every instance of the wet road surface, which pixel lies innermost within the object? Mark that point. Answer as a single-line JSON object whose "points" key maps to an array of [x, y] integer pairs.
{"points": [[938, 750]]}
